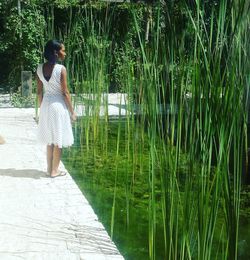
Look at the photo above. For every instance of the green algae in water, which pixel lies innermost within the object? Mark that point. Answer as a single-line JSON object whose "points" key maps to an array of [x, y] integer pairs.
{"points": [[94, 172], [94, 168]]}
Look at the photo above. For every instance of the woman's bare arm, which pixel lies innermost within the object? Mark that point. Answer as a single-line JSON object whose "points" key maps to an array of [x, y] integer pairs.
{"points": [[39, 90], [66, 93]]}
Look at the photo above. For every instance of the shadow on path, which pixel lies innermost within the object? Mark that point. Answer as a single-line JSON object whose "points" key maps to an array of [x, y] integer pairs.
{"points": [[25, 173]]}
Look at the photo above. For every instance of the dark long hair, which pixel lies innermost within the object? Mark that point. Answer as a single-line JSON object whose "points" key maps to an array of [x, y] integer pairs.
{"points": [[50, 50]]}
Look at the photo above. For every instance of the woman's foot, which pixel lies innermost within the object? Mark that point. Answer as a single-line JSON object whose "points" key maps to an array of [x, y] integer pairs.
{"points": [[57, 174], [48, 173]]}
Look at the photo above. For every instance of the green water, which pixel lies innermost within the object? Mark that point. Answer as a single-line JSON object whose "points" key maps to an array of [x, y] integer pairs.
{"points": [[95, 168]]}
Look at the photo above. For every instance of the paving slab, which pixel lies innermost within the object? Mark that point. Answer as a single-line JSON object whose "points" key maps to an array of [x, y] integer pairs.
{"points": [[42, 218]]}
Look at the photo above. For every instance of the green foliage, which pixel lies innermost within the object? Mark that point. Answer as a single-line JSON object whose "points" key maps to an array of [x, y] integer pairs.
{"points": [[17, 100], [22, 39], [56, 3]]}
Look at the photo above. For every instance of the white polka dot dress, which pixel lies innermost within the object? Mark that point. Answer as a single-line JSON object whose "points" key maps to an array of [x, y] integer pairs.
{"points": [[54, 126]]}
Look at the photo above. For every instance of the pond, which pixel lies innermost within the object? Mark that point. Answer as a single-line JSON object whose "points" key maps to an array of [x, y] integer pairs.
{"points": [[102, 169]]}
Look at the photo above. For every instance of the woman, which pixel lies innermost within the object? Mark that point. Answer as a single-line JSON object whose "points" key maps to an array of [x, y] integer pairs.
{"points": [[54, 126]]}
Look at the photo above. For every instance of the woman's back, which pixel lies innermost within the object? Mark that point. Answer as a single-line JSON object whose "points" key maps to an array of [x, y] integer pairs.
{"points": [[52, 85]]}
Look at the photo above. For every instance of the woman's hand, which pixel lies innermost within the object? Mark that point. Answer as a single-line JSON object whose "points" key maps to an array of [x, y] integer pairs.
{"points": [[73, 117], [39, 90]]}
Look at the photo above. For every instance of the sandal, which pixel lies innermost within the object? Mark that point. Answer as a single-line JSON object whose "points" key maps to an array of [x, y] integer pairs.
{"points": [[61, 173]]}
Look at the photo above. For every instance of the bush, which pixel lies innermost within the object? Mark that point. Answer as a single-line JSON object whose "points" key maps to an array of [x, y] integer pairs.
{"points": [[17, 100]]}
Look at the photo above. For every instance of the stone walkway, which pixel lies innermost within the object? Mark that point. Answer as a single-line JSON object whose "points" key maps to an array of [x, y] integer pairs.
{"points": [[42, 218]]}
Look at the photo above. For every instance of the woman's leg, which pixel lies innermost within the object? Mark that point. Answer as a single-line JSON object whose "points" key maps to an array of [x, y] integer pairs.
{"points": [[49, 158], [56, 160]]}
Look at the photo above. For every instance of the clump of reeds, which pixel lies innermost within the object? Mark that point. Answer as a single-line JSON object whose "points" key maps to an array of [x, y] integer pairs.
{"points": [[187, 105]]}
